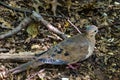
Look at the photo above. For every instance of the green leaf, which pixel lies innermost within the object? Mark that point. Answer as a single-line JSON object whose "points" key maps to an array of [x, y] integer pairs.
{"points": [[32, 29]]}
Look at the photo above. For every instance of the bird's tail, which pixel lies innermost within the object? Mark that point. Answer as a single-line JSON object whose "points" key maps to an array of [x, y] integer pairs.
{"points": [[25, 66]]}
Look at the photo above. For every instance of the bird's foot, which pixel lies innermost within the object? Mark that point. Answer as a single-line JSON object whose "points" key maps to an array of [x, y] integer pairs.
{"points": [[73, 66]]}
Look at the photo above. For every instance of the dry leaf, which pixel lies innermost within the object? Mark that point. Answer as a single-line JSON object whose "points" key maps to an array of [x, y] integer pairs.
{"points": [[66, 24], [32, 29]]}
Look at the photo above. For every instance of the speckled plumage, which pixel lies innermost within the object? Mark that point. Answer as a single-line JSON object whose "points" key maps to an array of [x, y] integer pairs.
{"points": [[71, 50]]}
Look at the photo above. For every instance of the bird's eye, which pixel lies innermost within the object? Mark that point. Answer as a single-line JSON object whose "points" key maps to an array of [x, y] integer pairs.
{"points": [[95, 31]]}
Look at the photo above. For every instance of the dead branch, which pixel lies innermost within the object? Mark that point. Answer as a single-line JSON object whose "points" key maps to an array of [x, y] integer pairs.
{"points": [[21, 57], [23, 24], [38, 17], [73, 26], [16, 57], [70, 22]]}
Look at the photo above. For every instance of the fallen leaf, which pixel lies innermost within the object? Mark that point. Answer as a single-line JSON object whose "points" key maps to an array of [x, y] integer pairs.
{"points": [[32, 29]]}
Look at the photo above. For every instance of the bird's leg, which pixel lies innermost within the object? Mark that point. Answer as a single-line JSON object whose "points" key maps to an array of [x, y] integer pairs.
{"points": [[73, 66]]}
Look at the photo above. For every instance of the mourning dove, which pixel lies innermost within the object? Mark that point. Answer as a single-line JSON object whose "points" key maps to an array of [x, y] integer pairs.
{"points": [[71, 50]]}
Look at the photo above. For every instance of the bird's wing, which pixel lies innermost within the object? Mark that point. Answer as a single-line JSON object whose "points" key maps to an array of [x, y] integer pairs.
{"points": [[52, 61], [68, 51]]}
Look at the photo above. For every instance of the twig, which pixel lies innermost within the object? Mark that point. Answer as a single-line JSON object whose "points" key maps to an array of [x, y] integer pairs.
{"points": [[70, 22], [73, 26], [21, 57], [16, 57], [23, 24], [38, 17]]}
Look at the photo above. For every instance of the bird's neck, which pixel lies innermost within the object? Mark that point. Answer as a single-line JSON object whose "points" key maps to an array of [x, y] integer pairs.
{"points": [[91, 38]]}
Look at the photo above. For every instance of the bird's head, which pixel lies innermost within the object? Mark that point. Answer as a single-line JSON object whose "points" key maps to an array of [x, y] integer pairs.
{"points": [[91, 30]]}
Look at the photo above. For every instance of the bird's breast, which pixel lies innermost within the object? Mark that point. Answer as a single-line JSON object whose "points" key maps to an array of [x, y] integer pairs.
{"points": [[90, 51]]}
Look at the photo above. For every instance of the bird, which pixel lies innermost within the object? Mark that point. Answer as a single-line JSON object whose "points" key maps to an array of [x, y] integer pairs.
{"points": [[69, 51]]}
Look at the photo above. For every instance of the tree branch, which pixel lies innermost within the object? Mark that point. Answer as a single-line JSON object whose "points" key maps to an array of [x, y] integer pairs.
{"points": [[23, 24], [38, 17]]}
